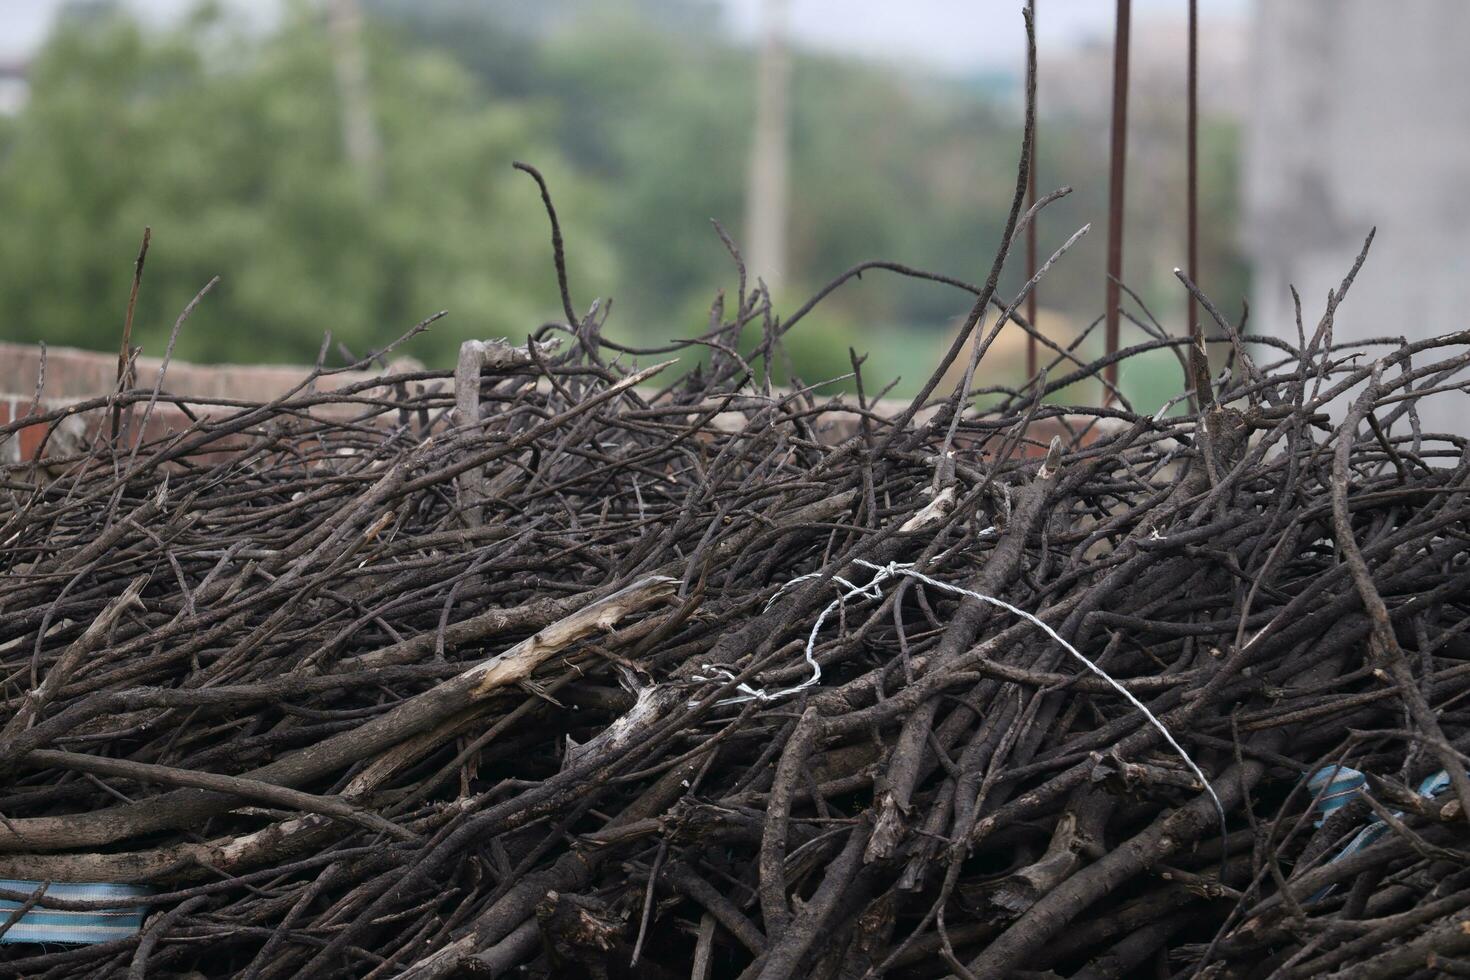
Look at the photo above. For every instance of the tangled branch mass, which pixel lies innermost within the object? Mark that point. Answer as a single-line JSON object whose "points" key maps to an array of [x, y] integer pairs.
{"points": [[558, 666]]}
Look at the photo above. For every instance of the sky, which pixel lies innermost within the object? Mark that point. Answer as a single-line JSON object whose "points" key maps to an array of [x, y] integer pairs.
{"points": [[950, 35], [959, 35]]}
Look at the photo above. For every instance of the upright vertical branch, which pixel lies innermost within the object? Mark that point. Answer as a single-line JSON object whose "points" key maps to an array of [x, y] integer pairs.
{"points": [[986, 292], [125, 353], [558, 248], [1117, 166]]}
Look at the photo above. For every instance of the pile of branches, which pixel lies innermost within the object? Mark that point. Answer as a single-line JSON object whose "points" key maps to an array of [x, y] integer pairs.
{"points": [[562, 666], [539, 666]]}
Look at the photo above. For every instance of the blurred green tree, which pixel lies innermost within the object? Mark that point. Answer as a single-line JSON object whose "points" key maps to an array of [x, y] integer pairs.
{"points": [[649, 99], [228, 144]]}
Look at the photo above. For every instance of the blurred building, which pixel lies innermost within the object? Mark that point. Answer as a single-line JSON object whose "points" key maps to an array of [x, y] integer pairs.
{"points": [[1361, 118], [1075, 77]]}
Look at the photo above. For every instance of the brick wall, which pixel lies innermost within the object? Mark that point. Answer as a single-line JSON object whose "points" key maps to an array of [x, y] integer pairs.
{"points": [[72, 375], [77, 374]]}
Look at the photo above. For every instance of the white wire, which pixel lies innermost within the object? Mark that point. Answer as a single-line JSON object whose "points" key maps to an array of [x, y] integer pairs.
{"points": [[872, 590], [1152, 719]]}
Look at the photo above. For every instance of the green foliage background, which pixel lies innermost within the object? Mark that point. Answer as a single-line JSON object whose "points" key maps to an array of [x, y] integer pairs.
{"points": [[227, 141]]}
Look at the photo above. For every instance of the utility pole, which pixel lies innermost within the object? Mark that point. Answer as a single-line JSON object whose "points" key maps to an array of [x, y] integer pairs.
{"points": [[360, 140], [767, 194]]}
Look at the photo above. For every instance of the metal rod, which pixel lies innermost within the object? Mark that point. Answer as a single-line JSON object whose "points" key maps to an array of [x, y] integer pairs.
{"points": [[1116, 169], [1031, 255], [1192, 165]]}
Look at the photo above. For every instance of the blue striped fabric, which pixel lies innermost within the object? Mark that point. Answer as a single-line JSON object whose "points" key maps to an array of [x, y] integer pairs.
{"points": [[1336, 786], [1343, 783], [42, 925]]}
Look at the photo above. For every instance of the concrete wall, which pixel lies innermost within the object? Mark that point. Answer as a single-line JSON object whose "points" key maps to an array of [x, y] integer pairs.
{"points": [[1360, 116]]}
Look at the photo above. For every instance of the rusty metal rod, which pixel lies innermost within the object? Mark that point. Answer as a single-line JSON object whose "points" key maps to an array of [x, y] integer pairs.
{"points": [[1192, 164], [1116, 168], [1031, 255]]}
